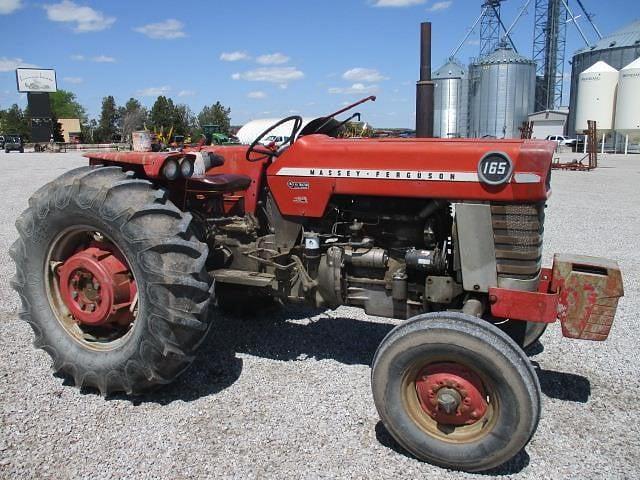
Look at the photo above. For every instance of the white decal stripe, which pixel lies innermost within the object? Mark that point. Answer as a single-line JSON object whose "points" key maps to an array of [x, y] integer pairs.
{"points": [[380, 174], [419, 175]]}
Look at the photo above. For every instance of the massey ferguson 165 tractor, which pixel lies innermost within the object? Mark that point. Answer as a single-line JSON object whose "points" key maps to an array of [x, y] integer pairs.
{"points": [[117, 263]]}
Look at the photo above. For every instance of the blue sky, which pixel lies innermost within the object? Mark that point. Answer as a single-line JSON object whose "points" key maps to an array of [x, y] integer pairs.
{"points": [[261, 58]]}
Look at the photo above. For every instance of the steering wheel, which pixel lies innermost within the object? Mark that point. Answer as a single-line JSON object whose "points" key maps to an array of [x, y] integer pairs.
{"points": [[265, 152]]}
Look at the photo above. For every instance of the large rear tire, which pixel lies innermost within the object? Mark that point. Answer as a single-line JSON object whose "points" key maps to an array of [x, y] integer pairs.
{"points": [[148, 335], [455, 391]]}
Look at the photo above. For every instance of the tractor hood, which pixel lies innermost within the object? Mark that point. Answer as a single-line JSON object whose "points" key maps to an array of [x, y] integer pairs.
{"points": [[316, 167]]}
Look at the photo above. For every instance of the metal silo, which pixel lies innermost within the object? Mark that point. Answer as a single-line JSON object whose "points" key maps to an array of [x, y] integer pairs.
{"points": [[596, 97], [628, 106], [618, 50], [501, 93], [451, 100]]}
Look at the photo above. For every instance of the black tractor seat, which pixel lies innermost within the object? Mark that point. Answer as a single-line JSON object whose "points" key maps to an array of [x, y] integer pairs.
{"points": [[220, 183]]}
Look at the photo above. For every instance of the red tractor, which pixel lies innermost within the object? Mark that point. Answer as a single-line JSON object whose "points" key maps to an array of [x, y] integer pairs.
{"points": [[117, 262]]}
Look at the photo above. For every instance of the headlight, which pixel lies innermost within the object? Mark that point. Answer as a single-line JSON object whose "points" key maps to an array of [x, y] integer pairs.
{"points": [[171, 169], [186, 168]]}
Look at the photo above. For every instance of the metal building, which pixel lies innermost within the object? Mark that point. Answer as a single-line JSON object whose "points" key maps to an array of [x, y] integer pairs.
{"points": [[618, 50], [451, 100], [501, 93]]}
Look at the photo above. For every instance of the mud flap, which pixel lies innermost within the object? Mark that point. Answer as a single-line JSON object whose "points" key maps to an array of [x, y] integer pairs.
{"points": [[588, 290]]}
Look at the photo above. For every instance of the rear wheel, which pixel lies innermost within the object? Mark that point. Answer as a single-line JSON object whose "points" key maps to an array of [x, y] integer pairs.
{"points": [[455, 391], [112, 280]]}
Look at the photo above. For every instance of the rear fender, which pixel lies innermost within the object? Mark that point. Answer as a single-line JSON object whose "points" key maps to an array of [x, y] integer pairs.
{"points": [[150, 162]]}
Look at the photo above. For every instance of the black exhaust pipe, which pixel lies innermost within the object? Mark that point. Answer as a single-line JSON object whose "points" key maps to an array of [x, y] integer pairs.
{"points": [[424, 87]]}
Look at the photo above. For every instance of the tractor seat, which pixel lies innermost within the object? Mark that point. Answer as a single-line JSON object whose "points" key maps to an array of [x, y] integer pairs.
{"points": [[220, 183]]}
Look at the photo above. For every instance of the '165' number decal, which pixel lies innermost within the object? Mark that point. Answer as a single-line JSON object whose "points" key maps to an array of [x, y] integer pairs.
{"points": [[495, 169]]}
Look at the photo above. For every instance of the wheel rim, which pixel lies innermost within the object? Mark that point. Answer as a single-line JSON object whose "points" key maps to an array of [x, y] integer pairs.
{"points": [[91, 288], [450, 401]]}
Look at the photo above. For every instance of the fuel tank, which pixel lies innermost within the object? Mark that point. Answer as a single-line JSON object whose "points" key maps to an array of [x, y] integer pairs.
{"points": [[304, 178]]}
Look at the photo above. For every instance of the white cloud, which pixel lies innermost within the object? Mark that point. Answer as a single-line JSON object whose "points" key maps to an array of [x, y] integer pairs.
{"points": [[363, 75], [74, 80], [272, 59], [86, 19], [103, 59], [234, 56], [9, 6], [153, 91], [355, 89], [186, 93], [397, 3], [257, 95], [10, 64], [169, 29], [97, 58], [280, 75], [440, 6]]}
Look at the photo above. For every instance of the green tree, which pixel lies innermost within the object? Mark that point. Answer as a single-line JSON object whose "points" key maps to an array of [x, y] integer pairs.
{"points": [[108, 123], [183, 120], [65, 105], [216, 114], [132, 117], [14, 120], [162, 113]]}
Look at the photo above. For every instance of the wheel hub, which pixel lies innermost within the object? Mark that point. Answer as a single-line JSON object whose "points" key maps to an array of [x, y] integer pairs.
{"points": [[97, 286], [451, 394]]}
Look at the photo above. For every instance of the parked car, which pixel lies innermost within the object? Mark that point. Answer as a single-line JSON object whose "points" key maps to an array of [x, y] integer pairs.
{"points": [[562, 140], [1, 142], [277, 140], [13, 142]]}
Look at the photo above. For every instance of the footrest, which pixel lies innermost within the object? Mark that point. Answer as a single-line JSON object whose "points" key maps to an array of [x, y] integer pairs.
{"points": [[241, 277]]}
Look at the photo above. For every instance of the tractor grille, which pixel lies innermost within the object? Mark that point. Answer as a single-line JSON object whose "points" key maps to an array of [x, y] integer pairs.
{"points": [[517, 233]]}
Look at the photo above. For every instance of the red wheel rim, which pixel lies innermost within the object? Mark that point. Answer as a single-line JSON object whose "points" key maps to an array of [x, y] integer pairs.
{"points": [[91, 288], [97, 287], [451, 394]]}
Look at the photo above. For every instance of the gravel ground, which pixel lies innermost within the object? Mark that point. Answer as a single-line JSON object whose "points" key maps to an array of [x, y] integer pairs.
{"points": [[288, 396]]}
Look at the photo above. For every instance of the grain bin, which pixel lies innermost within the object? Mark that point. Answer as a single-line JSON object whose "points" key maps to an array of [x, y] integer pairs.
{"points": [[597, 97], [501, 93], [451, 100], [628, 104], [618, 49]]}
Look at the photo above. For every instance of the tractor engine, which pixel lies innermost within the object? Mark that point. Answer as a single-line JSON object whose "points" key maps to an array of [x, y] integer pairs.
{"points": [[379, 258]]}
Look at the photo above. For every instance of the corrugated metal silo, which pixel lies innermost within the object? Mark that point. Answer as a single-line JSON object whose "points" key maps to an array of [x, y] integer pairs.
{"points": [[501, 93], [451, 101], [618, 49], [628, 104], [597, 97]]}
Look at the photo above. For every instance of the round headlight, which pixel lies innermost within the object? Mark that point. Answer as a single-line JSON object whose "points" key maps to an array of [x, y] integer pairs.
{"points": [[171, 169], [186, 168]]}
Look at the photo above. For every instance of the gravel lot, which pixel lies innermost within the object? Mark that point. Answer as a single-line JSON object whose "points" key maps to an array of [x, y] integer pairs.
{"points": [[288, 396]]}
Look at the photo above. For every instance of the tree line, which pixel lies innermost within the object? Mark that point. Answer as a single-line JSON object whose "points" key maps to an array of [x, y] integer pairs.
{"points": [[116, 123]]}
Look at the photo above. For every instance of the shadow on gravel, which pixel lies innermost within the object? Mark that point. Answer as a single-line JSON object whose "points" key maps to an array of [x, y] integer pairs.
{"points": [[515, 465], [563, 386], [274, 335]]}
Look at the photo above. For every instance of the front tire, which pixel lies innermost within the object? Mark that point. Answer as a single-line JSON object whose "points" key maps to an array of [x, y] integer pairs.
{"points": [[455, 391], [97, 213]]}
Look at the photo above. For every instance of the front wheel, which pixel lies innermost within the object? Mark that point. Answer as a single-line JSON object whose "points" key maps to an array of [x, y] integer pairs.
{"points": [[112, 280], [455, 391]]}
